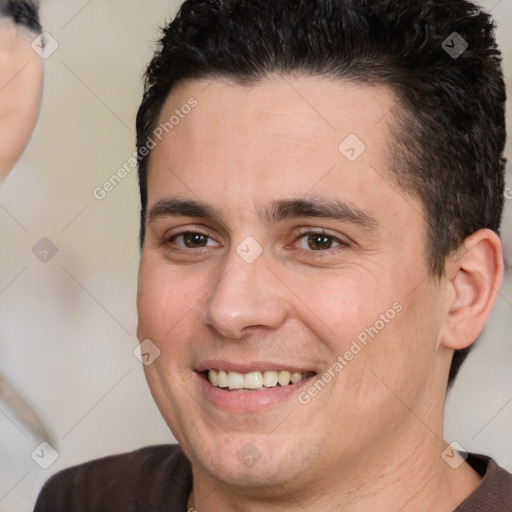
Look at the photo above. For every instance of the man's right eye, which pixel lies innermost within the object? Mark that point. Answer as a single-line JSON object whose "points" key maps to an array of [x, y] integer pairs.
{"points": [[191, 240]]}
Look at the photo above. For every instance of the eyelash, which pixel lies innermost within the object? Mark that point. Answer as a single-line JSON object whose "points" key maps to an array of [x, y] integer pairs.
{"points": [[321, 253], [169, 240], [310, 253]]}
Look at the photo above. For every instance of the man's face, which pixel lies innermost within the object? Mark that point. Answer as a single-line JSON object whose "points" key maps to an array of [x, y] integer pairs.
{"points": [[260, 282], [21, 78]]}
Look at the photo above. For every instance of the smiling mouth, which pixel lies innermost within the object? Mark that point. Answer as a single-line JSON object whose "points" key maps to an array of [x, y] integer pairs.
{"points": [[254, 381]]}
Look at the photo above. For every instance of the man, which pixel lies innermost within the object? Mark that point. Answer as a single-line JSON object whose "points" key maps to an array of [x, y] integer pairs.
{"points": [[322, 187]]}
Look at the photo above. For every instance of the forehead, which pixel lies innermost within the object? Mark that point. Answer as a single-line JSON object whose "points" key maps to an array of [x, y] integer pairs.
{"points": [[308, 109], [288, 131], [242, 150], [295, 115]]}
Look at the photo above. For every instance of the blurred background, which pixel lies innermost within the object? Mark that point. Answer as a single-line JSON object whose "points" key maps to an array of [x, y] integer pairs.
{"points": [[68, 318]]}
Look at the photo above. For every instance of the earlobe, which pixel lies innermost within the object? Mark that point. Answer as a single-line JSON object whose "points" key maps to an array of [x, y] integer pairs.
{"points": [[474, 278]]}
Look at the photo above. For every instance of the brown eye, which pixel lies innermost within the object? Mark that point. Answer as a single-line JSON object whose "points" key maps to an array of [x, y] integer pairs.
{"points": [[318, 242], [194, 240], [191, 240]]}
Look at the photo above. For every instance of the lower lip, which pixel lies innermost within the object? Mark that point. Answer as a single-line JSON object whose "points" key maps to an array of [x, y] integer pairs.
{"points": [[250, 401]]}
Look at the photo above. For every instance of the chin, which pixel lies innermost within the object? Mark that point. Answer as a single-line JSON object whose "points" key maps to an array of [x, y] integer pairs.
{"points": [[245, 460]]}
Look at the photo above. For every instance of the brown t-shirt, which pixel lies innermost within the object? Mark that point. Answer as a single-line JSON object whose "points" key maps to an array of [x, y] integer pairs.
{"points": [[159, 478]]}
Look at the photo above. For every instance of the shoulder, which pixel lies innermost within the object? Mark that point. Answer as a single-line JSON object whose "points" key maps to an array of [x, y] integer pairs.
{"points": [[146, 479], [494, 491]]}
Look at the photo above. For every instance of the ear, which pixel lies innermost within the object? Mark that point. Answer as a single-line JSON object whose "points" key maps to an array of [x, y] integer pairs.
{"points": [[21, 74], [474, 276]]}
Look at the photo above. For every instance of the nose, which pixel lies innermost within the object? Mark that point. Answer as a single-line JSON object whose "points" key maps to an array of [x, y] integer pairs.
{"points": [[246, 296]]}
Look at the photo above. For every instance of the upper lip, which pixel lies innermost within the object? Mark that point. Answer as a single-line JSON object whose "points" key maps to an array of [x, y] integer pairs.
{"points": [[255, 366]]}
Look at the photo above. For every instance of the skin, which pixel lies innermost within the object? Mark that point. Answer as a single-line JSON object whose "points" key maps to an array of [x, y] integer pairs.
{"points": [[372, 438], [21, 79]]}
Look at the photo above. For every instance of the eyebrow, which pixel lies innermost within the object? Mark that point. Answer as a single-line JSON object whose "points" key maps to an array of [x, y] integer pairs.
{"points": [[277, 212], [318, 208]]}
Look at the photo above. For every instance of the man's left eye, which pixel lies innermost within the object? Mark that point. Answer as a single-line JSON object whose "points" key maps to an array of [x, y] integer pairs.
{"points": [[318, 242]]}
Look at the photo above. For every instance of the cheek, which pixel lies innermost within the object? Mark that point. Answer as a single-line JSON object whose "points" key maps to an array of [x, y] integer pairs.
{"points": [[152, 296], [400, 356], [343, 307], [375, 324], [166, 300]]}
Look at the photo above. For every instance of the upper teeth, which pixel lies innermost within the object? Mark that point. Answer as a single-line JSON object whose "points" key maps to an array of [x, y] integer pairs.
{"points": [[253, 380]]}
